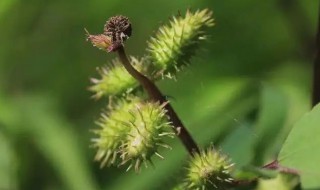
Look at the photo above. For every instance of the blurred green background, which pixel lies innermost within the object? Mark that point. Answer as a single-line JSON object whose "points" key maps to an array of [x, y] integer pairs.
{"points": [[247, 86]]}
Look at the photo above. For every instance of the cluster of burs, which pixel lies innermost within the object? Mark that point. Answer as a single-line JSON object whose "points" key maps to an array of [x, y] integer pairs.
{"points": [[132, 128]]}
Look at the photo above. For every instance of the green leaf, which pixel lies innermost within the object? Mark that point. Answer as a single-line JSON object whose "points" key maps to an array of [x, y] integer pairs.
{"points": [[242, 154], [272, 115], [252, 172], [281, 182], [301, 149], [5, 5], [8, 165], [38, 120]]}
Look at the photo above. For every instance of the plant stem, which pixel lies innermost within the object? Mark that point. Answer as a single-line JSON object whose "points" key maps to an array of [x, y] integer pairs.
{"points": [[156, 95], [316, 69], [274, 165]]}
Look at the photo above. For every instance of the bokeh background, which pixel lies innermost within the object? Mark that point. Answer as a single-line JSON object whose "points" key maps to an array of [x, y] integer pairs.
{"points": [[245, 88]]}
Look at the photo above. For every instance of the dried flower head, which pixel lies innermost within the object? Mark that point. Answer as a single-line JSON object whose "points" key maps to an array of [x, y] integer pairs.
{"points": [[118, 28]]}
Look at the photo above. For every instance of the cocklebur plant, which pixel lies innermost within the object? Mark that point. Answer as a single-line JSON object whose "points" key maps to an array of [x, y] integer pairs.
{"points": [[133, 128]]}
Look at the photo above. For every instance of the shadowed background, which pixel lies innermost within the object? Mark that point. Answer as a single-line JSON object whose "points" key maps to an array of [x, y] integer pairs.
{"points": [[245, 88]]}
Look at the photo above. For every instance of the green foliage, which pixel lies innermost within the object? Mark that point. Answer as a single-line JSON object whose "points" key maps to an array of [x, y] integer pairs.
{"points": [[52, 136], [280, 182], [300, 150], [272, 105], [135, 129], [43, 51]]}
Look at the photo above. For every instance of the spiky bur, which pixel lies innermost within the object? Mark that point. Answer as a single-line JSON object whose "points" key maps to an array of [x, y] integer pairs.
{"points": [[132, 130], [113, 129], [148, 127], [115, 80], [174, 44], [209, 169]]}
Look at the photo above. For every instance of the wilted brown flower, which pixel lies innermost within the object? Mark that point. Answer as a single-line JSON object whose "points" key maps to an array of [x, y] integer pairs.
{"points": [[119, 28], [100, 41]]}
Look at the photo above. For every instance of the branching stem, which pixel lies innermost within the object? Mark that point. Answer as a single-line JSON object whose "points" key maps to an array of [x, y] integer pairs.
{"points": [[156, 95]]}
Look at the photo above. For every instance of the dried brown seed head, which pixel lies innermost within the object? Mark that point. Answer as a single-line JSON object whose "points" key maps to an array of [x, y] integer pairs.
{"points": [[118, 28]]}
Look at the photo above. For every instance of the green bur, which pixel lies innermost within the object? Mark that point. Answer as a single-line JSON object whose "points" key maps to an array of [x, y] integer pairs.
{"points": [[115, 79], [175, 44], [132, 130], [209, 169]]}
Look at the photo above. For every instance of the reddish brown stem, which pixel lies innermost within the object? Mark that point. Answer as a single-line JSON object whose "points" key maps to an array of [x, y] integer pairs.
{"points": [[156, 95], [274, 165]]}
